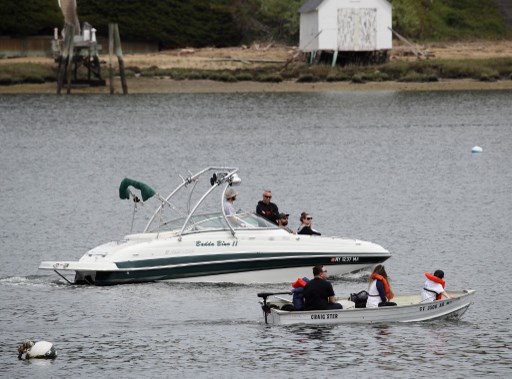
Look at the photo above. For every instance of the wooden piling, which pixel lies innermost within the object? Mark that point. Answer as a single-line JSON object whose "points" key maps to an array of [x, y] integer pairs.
{"points": [[64, 60], [119, 53], [110, 53]]}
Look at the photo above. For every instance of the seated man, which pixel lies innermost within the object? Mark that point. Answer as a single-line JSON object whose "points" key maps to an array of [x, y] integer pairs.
{"points": [[318, 293], [266, 208]]}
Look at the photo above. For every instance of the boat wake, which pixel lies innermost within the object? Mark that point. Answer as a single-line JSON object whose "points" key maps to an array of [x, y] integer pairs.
{"points": [[31, 281]]}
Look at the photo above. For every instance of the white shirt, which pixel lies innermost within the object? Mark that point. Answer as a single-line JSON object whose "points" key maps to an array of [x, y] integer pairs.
{"points": [[373, 296], [427, 296], [229, 208]]}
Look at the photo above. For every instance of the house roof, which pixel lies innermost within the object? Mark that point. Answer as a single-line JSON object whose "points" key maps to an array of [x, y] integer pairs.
{"points": [[310, 5]]}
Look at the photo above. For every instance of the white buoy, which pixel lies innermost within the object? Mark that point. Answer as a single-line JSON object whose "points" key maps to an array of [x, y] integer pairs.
{"points": [[476, 149]]}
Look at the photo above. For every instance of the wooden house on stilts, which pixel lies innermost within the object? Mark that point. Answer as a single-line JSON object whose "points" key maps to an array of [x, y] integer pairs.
{"points": [[346, 31]]}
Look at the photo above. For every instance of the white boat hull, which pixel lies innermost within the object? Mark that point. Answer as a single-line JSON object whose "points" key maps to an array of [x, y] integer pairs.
{"points": [[274, 256], [408, 309]]}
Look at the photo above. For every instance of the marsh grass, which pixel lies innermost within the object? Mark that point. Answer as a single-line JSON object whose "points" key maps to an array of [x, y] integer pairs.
{"points": [[24, 73], [416, 71]]}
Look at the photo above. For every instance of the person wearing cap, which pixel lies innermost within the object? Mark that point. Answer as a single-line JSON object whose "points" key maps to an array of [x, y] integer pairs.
{"points": [[229, 208], [433, 289], [266, 208], [282, 222], [306, 225]]}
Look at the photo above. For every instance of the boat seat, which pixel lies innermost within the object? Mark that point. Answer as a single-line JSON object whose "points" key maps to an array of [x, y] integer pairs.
{"points": [[347, 304]]}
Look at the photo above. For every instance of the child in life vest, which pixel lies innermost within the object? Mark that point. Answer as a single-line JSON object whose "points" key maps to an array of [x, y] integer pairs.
{"points": [[298, 293], [433, 289]]}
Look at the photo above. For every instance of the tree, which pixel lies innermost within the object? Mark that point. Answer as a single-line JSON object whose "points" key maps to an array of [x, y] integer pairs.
{"points": [[29, 17]]}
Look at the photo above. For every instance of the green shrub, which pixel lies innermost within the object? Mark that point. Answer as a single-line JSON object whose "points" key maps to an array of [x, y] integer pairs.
{"points": [[271, 78], [338, 77], [243, 77], [358, 79], [222, 77], [307, 78]]}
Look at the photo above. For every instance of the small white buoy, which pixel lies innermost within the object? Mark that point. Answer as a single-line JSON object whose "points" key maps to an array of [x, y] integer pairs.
{"points": [[38, 350], [476, 149]]}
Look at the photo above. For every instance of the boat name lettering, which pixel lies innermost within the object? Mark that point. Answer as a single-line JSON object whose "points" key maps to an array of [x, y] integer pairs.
{"points": [[218, 243], [323, 316], [344, 259]]}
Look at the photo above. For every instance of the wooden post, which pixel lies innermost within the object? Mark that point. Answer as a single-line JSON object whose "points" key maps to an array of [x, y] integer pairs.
{"points": [[70, 64], [64, 56], [334, 58], [110, 53], [119, 53]]}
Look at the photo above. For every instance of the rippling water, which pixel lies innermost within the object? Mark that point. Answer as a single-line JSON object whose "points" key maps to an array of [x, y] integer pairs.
{"points": [[394, 168]]}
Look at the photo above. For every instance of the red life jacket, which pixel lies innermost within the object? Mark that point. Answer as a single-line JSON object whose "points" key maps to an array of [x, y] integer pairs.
{"points": [[387, 288], [437, 280], [299, 283]]}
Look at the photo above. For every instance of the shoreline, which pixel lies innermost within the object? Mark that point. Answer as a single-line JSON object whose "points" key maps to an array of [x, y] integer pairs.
{"points": [[166, 85]]}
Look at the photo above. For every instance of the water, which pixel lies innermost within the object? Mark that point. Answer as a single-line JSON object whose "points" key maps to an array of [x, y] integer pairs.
{"points": [[394, 168]]}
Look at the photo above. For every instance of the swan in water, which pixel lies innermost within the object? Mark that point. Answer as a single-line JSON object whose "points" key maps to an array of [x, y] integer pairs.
{"points": [[39, 349]]}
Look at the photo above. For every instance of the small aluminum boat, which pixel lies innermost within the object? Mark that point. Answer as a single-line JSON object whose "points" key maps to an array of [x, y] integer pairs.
{"points": [[409, 309]]}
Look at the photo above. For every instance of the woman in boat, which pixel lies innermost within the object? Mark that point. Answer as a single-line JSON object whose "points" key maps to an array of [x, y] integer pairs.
{"points": [[379, 291], [306, 225], [433, 289]]}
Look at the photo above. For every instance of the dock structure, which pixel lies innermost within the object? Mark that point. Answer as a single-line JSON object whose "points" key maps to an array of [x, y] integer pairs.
{"points": [[77, 52]]}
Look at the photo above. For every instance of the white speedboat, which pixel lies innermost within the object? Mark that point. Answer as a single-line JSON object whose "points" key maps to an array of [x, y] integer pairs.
{"points": [[409, 309], [209, 246]]}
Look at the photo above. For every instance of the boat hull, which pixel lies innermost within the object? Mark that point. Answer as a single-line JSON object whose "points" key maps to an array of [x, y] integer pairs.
{"points": [[408, 310], [215, 257], [222, 272]]}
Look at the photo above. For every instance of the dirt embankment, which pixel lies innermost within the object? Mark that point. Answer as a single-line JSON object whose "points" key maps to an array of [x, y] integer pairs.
{"points": [[253, 56]]}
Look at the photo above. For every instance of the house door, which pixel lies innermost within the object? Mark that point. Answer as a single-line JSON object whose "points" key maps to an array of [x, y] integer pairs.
{"points": [[357, 29]]}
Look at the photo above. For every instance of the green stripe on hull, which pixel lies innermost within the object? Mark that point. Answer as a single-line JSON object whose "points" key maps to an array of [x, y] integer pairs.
{"points": [[196, 270], [211, 258]]}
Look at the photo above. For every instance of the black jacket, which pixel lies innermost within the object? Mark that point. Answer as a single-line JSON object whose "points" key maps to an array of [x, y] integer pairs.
{"points": [[270, 211]]}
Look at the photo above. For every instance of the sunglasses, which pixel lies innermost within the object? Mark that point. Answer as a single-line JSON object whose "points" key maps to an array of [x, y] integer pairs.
{"points": [[309, 218], [324, 271], [267, 197]]}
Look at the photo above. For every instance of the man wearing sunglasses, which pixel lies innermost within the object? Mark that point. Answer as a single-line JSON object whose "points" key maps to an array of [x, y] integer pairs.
{"points": [[266, 208], [318, 293]]}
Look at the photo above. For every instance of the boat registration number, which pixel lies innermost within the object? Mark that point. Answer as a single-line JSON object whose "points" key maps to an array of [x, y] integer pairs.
{"points": [[344, 259], [323, 316], [431, 306]]}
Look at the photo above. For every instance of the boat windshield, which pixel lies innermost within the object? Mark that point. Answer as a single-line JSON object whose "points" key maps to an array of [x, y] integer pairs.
{"points": [[215, 221]]}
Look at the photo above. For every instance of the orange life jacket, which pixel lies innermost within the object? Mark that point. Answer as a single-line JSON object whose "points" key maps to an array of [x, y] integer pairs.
{"points": [[299, 283], [437, 280], [387, 288]]}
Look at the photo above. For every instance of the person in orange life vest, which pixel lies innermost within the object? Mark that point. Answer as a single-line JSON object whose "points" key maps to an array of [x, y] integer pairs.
{"points": [[433, 289], [318, 293], [379, 291], [298, 293]]}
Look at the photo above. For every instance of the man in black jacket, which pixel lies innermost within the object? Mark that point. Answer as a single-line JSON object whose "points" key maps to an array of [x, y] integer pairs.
{"points": [[266, 208]]}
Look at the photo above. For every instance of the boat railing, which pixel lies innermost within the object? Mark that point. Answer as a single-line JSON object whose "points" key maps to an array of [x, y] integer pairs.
{"points": [[221, 175]]}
